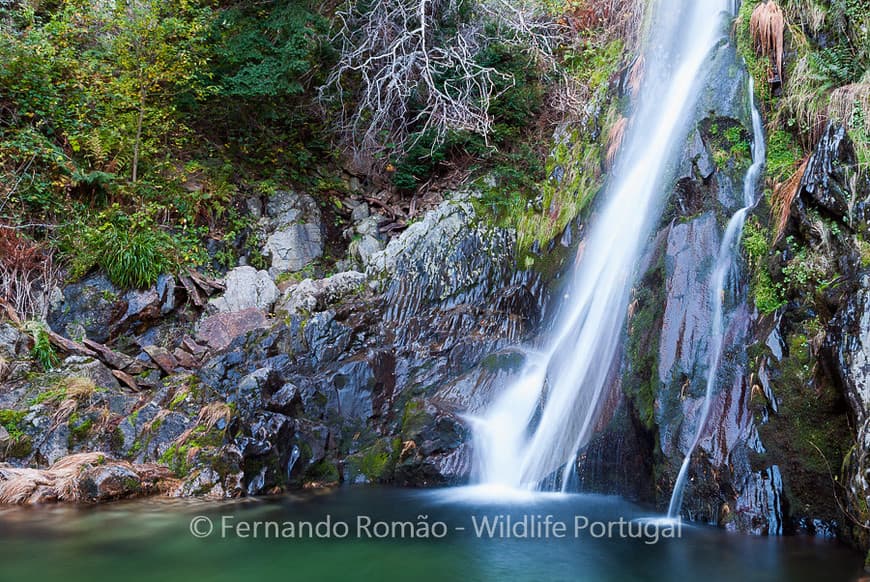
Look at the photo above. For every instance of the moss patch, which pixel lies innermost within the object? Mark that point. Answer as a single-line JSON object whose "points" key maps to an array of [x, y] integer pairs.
{"points": [[20, 443], [377, 461], [809, 436], [641, 379]]}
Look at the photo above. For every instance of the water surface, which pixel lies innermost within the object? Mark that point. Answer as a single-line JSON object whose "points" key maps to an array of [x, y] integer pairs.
{"points": [[151, 540]]}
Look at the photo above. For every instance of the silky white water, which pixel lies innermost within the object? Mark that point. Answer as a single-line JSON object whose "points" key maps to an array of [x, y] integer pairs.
{"points": [[726, 261], [538, 423]]}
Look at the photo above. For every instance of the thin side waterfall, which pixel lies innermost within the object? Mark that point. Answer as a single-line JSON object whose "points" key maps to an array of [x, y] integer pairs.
{"points": [[726, 261], [531, 434]]}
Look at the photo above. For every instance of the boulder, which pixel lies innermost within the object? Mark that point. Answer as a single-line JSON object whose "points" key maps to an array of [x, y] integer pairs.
{"points": [[247, 288], [365, 248], [219, 330], [88, 309], [359, 212], [310, 296], [81, 478], [10, 341], [295, 236]]}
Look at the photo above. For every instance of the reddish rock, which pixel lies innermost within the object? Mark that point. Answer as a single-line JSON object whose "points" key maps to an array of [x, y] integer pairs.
{"points": [[186, 359], [219, 330], [126, 379], [161, 356], [194, 348]]}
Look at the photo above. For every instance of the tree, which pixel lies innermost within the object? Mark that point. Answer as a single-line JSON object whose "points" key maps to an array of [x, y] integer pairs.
{"points": [[415, 66], [156, 50], [268, 50]]}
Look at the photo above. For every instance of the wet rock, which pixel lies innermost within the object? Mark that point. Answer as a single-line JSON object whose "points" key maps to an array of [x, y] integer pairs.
{"points": [[254, 390], [700, 157], [616, 458], [825, 182], [296, 237], [219, 330], [354, 384], [326, 337], [727, 90], [687, 317], [850, 342], [246, 288], [287, 400], [88, 309], [202, 482], [110, 482]]}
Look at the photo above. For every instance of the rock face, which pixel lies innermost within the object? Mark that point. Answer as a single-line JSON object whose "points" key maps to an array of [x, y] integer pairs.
{"points": [[296, 238], [358, 378], [351, 371], [218, 331], [247, 288], [666, 362], [826, 180], [311, 296]]}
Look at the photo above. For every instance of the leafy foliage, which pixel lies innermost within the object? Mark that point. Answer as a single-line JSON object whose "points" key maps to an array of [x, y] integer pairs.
{"points": [[131, 249], [267, 50]]}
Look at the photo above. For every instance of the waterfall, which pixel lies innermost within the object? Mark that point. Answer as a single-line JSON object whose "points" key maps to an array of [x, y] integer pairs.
{"points": [[726, 262], [538, 423]]}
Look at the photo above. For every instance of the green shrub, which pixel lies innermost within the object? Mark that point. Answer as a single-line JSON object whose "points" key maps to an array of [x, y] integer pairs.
{"points": [[783, 154], [132, 249], [766, 293]]}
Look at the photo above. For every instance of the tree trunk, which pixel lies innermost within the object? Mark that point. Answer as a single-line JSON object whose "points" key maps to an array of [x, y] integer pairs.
{"points": [[138, 132]]}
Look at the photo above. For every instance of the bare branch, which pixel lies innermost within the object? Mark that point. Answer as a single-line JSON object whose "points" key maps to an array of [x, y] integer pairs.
{"points": [[414, 66]]}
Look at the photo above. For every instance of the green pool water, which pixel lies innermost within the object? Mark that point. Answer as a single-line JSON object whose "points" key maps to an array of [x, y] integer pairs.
{"points": [[153, 540]]}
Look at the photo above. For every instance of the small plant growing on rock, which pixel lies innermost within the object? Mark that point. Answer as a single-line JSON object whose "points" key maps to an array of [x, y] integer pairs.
{"points": [[42, 350]]}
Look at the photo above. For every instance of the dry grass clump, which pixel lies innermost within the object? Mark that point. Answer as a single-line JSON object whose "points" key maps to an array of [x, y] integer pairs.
{"points": [[614, 141], [805, 100], [209, 416], [27, 274], [847, 99], [783, 197], [767, 27], [63, 480], [72, 392]]}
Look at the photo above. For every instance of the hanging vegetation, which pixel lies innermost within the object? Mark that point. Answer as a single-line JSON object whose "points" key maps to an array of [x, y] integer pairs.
{"points": [[767, 26]]}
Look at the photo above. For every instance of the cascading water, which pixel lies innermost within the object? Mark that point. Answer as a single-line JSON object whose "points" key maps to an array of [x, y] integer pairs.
{"points": [[726, 261], [539, 423]]}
